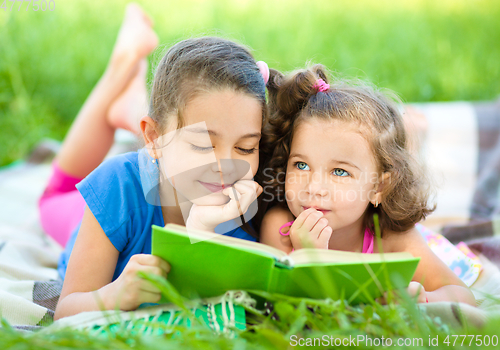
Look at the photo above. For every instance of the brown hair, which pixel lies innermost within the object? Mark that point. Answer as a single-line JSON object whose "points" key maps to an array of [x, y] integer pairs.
{"points": [[199, 65], [293, 99]]}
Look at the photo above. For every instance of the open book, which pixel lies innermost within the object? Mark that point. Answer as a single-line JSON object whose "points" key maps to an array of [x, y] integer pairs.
{"points": [[217, 263]]}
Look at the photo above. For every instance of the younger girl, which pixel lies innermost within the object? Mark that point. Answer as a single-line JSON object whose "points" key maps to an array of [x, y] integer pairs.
{"points": [[342, 155], [215, 91]]}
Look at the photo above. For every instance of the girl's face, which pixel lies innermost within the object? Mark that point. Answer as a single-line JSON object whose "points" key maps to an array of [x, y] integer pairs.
{"points": [[218, 146], [331, 168]]}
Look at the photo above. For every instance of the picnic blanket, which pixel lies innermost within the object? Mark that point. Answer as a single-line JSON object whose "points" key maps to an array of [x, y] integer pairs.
{"points": [[29, 285], [463, 149], [29, 281], [465, 164]]}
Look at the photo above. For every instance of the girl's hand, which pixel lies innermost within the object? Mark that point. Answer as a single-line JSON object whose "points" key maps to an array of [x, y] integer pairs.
{"points": [[310, 230], [129, 290], [414, 289], [241, 195], [418, 290]]}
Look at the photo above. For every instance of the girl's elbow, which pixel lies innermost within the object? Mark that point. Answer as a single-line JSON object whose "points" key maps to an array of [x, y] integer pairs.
{"points": [[465, 295], [470, 299], [453, 293], [58, 313]]}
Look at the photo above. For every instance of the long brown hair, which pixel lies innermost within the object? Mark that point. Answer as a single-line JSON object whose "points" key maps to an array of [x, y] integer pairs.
{"points": [[294, 99]]}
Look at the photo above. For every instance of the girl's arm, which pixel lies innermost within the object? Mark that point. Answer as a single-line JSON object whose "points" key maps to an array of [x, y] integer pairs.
{"points": [[87, 285], [271, 223], [439, 281]]}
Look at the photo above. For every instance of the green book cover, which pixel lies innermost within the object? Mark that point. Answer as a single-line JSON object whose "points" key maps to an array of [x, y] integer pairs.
{"points": [[205, 264]]}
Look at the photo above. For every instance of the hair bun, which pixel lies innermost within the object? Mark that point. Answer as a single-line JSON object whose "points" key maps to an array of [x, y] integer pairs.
{"points": [[290, 94], [295, 92]]}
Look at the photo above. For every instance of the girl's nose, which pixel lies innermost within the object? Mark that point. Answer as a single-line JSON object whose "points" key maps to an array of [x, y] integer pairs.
{"points": [[225, 164], [317, 187]]}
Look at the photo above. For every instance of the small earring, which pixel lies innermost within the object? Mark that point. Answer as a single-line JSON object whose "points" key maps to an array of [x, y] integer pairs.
{"points": [[153, 160], [376, 203]]}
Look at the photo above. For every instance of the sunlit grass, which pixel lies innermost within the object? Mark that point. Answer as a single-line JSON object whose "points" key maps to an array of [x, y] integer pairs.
{"points": [[277, 325]]}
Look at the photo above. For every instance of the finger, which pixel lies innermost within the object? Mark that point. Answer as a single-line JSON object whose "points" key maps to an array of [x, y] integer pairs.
{"points": [[311, 220], [414, 289], [324, 237], [147, 286], [165, 266], [247, 187], [149, 297], [232, 208], [145, 259], [248, 194], [155, 270], [299, 240], [232, 193], [151, 260], [260, 190], [318, 227], [243, 193], [297, 224], [239, 184]]}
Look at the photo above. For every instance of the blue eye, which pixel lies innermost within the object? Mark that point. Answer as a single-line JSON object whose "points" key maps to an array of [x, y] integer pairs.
{"points": [[301, 166], [340, 172], [201, 149]]}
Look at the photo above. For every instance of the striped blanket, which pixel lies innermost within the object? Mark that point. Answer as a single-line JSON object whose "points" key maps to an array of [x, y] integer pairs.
{"points": [[463, 150], [29, 284]]}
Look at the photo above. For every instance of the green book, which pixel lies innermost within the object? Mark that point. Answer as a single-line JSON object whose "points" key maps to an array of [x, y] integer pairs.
{"points": [[205, 264]]}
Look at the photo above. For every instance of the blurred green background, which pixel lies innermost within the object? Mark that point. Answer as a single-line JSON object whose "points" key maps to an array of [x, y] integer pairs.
{"points": [[425, 50]]}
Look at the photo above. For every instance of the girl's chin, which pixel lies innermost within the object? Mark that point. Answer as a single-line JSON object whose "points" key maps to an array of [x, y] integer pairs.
{"points": [[213, 199]]}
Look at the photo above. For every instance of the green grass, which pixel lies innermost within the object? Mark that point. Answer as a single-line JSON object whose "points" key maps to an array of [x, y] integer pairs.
{"points": [[425, 50], [291, 319]]}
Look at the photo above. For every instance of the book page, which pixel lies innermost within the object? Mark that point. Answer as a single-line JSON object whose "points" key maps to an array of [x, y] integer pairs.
{"points": [[228, 240], [308, 255]]}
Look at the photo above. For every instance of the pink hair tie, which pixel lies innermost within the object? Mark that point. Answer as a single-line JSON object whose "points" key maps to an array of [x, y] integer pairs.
{"points": [[321, 86], [264, 70], [285, 225]]}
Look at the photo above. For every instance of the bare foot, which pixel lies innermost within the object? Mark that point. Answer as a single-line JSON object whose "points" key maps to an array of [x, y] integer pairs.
{"points": [[130, 106], [136, 38]]}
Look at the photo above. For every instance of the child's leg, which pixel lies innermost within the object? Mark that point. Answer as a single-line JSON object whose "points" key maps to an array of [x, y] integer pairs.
{"points": [[131, 104], [91, 135], [121, 90]]}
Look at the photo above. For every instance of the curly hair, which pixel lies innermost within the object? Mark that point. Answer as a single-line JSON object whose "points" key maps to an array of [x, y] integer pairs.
{"points": [[294, 99]]}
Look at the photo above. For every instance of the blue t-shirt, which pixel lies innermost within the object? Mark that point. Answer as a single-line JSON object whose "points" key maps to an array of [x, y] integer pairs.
{"points": [[116, 193]]}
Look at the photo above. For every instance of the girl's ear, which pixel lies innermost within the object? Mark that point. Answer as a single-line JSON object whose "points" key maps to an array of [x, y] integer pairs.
{"points": [[150, 135], [384, 180]]}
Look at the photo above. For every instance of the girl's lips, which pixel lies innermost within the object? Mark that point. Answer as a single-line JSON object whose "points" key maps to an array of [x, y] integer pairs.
{"points": [[214, 187], [324, 211]]}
